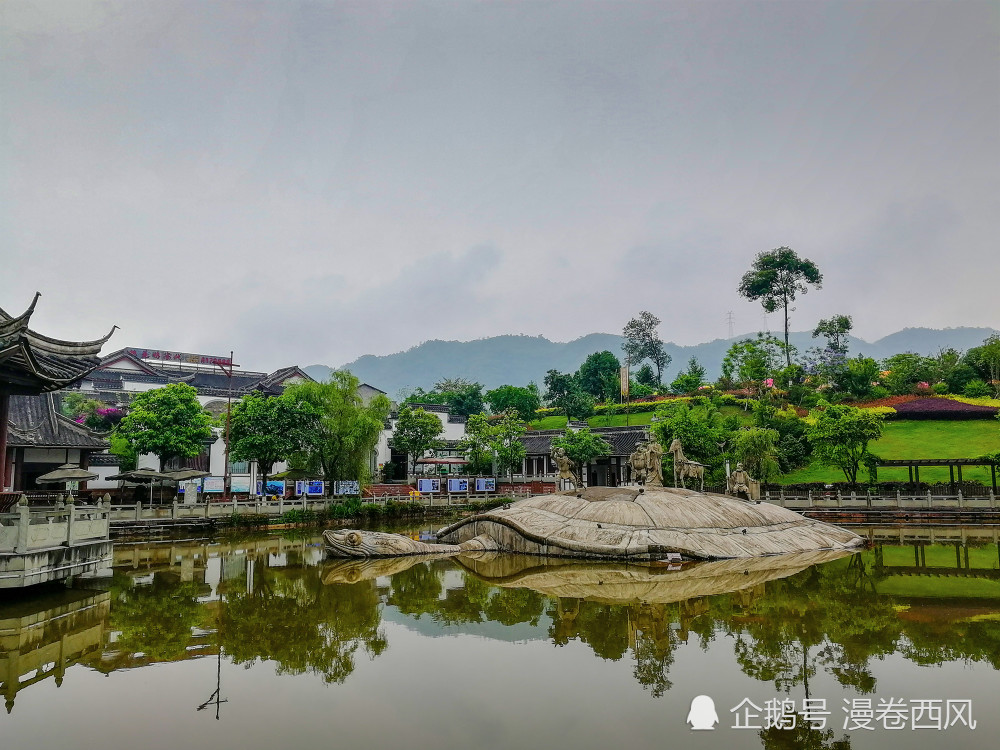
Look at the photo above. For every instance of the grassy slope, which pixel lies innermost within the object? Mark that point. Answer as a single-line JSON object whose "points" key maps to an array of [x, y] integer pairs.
{"points": [[921, 439]]}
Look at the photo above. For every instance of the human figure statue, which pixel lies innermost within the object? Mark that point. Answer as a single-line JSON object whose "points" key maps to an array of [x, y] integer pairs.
{"points": [[654, 463], [639, 463], [566, 466], [740, 482]]}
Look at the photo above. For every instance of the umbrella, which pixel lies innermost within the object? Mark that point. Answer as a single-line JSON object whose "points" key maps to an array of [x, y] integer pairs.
{"points": [[66, 473], [183, 475], [142, 476]]}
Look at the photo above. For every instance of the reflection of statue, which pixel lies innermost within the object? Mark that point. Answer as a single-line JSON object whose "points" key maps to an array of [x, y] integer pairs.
{"points": [[684, 468], [740, 482], [567, 467]]}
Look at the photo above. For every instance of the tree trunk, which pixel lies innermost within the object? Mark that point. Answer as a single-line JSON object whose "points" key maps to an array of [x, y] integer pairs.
{"points": [[788, 352]]}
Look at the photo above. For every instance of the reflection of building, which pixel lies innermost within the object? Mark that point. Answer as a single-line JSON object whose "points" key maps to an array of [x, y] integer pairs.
{"points": [[41, 637]]}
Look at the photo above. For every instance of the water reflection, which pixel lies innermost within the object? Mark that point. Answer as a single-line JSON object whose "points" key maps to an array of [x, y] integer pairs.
{"points": [[275, 603]]}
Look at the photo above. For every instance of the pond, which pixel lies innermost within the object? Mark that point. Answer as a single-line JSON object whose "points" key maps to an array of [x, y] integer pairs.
{"points": [[261, 643]]}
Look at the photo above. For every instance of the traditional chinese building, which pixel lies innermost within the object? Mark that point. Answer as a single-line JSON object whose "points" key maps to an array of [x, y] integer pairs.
{"points": [[604, 471], [32, 364]]}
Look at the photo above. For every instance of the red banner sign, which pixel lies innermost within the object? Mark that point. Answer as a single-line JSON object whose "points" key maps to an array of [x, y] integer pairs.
{"points": [[161, 355]]}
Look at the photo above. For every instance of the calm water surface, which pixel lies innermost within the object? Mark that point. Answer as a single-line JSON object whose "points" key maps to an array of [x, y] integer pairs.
{"points": [[261, 643]]}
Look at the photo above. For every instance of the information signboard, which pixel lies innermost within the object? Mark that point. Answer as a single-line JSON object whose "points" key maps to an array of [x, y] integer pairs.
{"points": [[316, 487], [182, 486], [458, 485], [300, 487], [240, 484], [348, 487], [428, 485], [213, 484], [274, 487], [486, 484]]}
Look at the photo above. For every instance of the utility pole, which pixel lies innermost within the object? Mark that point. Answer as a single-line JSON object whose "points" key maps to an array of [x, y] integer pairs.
{"points": [[731, 320], [227, 478]]}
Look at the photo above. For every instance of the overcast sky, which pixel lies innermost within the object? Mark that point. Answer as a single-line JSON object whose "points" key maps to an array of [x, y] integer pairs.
{"points": [[309, 182]]}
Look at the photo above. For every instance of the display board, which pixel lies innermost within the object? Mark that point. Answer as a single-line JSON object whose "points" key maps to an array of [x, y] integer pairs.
{"points": [[239, 484], [316, 487], [213, 484], [300, 487], [428, 485], [486, 484], [348, 487], [458, 485], [274, 487], [181, 486]]}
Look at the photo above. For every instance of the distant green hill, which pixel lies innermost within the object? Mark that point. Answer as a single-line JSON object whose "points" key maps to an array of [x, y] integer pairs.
{"points": [[520, 359]]}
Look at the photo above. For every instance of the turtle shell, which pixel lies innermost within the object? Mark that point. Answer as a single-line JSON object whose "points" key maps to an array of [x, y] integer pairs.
{"points": [[625, 523]]}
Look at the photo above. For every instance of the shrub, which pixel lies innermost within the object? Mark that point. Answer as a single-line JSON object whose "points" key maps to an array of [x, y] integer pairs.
{"points": [[976, 389], [298, 515], [370, 511]]}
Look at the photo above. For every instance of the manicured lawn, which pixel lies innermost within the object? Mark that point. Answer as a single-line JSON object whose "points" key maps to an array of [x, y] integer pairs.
{"points": [[921, 439], [616, 420]]}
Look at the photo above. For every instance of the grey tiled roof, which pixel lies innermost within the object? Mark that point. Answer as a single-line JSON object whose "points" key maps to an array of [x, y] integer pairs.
{"points": [[34, 422], [623, 440]]}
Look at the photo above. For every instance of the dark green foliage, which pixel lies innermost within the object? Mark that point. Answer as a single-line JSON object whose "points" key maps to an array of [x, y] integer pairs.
{"points": [[416, 431], [168, 422], [271, 429], [835, 331], [582, 446], [599, 376], [905, 371], [689, 380], [525, 401], [563, 391], [646, 376]]}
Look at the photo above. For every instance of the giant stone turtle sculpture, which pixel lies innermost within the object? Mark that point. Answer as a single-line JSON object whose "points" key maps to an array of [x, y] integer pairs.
{"points": [[616, 523]]}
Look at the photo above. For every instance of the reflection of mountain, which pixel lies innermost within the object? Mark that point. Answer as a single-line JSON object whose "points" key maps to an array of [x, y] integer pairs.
{"points": [[42, 635]]}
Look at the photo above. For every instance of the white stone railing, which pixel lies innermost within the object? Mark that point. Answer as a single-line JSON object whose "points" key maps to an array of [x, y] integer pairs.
{"points": [[27, 529], [861, 500]]}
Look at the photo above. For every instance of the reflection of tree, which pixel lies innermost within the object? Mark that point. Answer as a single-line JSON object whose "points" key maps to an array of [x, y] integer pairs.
{"points": [[416, 590], [802, 737], [825, 616], [290, 617], [154, 619]]}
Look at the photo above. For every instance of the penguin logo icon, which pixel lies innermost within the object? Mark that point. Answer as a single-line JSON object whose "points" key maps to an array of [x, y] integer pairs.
{"points": [[702, 714]]}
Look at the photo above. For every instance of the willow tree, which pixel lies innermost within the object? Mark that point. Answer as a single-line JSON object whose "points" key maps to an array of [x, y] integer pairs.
{"points": [[348, 427], [774, 278]]}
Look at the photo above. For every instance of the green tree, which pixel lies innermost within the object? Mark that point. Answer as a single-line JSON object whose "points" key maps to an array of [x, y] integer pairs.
{"points": [[416, 431], [775, 278], [690, 379], [599, 376], [582, 446], [905, 371], [348, 428], [271, 429], [757, 449], [564, 391], [857, 376], [525, 401], [835, 331], [840, 436], [643, 342], [985, 359], [646, 376], [701, 430], [477, 445], [506, 442], [462, 397], [167, 422], [751, 361]]}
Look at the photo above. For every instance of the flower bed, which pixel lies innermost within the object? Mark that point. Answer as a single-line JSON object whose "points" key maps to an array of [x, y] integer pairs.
{"points": [[942, 408]]}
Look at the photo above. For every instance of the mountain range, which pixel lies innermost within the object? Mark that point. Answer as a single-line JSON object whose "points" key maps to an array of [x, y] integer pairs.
{"points": [[518, 360]]}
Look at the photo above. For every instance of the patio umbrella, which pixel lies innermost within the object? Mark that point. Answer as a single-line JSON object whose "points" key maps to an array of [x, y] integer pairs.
{"points": [[183, 475], [66, 473], [142, 476]]}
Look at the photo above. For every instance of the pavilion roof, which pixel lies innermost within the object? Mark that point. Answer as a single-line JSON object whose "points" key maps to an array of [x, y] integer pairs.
{"points": [[31, 363]]}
